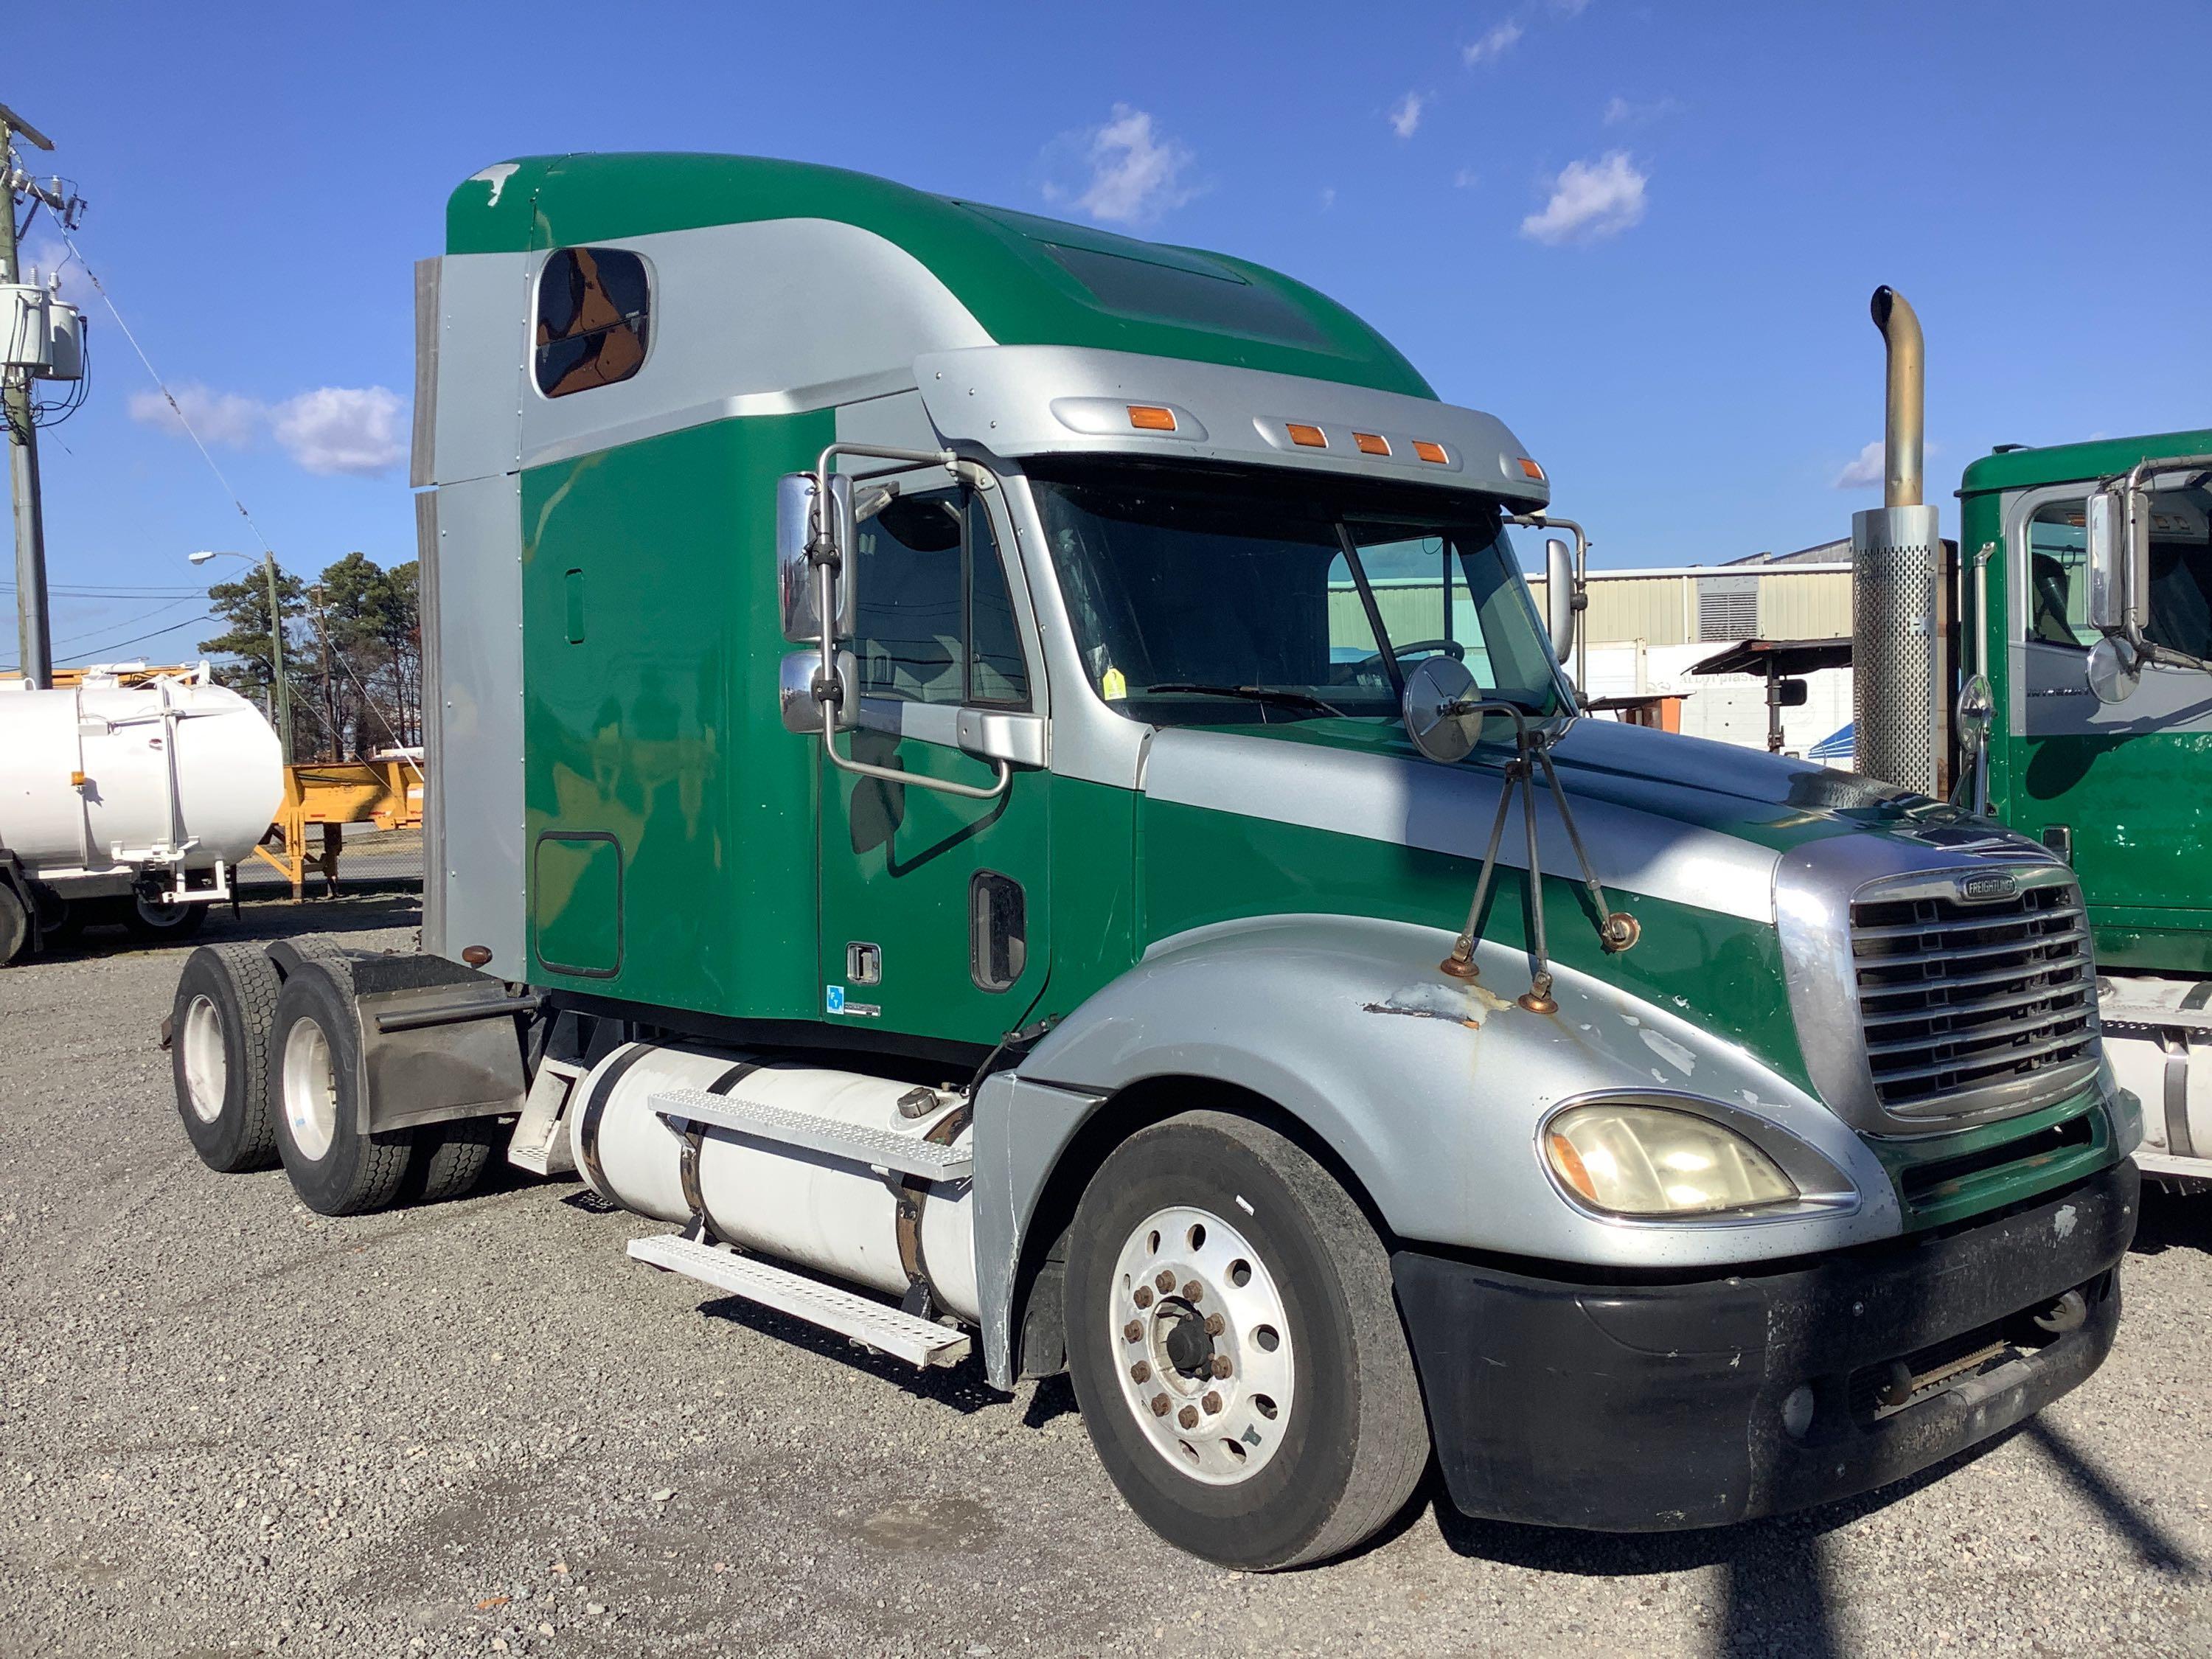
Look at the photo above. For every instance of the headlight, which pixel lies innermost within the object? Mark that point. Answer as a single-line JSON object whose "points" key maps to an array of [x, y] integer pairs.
{"points": [[1650, 1161]]}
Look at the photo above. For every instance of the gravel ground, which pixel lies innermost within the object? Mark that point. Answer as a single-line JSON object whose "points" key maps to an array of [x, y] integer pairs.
{"points": [[229, 1425]]}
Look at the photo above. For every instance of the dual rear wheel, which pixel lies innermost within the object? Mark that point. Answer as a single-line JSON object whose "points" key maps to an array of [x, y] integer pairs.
{"points": [[267, 1070]]}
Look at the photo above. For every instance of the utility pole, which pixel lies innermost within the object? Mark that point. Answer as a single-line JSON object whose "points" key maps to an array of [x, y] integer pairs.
{"points": [[33, 640]]}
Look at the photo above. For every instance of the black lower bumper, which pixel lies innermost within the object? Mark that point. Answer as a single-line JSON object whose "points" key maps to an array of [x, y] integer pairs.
{"points": [[1649, 1407]]}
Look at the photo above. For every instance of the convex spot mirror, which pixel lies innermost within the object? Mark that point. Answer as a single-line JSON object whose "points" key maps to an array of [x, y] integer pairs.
{"points": [[1975, 708], [2114, 670], [803, 709], [795, 574], [1435, 691], [1559, 596]]}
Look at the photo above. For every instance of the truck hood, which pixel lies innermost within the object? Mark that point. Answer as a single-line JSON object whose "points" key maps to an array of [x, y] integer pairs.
{"points": [[1681, 819]]}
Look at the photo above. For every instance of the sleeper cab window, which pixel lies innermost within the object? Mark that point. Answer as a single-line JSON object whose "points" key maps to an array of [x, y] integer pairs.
{"points": [[594, 308]]}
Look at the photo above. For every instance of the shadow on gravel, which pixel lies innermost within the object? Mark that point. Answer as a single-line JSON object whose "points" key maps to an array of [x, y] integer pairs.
{"points": [[1055, 1398], [960, 1386], [2156, 1549], [1776, 1597], [2172, 1221]]}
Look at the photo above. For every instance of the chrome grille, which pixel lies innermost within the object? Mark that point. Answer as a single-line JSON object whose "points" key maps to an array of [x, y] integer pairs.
{"points": [[1974, 1006]]}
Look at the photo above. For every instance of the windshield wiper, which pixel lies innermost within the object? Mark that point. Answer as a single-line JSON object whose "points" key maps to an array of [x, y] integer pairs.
{"points": [[1262, 693]]}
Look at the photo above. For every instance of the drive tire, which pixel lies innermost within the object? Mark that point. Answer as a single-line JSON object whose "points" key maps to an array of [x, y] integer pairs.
{"points": [[314, 1101], [1349, 1443], [160, 924], [451, 1158], [219, 1027]]}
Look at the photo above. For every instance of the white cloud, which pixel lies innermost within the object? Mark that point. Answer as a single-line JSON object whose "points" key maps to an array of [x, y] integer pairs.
{"points": [[222, 418], [1466, 179], [1498, 41], [336, 429], [1591, 199], [1136, 175], [333, 430], [1620, 112], [1328, 198], [1863, 472], [1405, 116]]}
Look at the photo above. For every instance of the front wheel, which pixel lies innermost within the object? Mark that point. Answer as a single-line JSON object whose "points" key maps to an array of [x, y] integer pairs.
{"points": [[1236, 1347]]}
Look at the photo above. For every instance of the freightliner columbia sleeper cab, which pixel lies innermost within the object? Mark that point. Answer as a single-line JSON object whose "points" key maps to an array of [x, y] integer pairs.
{"points": [[1071, 887]]}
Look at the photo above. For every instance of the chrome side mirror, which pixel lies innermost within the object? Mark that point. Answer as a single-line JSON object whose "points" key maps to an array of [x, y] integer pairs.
{"points": [[1562, 598], [803, 707], [795, 577], [2114, 669], [2105, 534], [1436, 693]]}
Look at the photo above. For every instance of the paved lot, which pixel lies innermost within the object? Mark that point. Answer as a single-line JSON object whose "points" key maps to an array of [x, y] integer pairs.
{"points": [[228, 1425]]}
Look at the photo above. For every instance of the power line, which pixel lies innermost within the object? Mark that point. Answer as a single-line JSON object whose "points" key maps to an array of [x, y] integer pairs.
{"points": [[117, 645], [175, 408], [115, 593], [130, 622]]}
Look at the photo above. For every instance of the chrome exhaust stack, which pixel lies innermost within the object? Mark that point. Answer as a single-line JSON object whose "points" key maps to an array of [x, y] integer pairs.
{"points": [[1898, 708]]}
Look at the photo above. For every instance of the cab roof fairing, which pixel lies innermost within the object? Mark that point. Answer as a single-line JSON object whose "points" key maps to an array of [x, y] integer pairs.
{"points": [[1025, 400]]}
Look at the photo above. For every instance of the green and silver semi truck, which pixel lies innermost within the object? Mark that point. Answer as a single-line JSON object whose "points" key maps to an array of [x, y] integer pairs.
{"points": [[2055, 674], [1004, 784]]}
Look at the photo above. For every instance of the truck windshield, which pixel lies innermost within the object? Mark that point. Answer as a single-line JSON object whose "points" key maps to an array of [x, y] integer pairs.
{"points": [[1238, 597]]}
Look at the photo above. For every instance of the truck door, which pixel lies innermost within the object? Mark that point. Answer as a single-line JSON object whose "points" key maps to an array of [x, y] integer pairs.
{"points": [[932, 904], [2112, 784]]}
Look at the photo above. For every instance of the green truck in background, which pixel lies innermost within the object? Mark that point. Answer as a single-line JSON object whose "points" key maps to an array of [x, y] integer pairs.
{"points": [[2066, 654], [1005, 784]]}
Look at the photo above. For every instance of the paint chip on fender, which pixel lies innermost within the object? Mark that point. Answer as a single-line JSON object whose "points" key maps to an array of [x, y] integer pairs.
{"points": [[1670, 1051]]}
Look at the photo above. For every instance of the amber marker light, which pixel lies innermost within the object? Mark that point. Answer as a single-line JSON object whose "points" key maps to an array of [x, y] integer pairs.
{"points": [[1150, 417], [1429, 452], [1569, 1163], [1530, 470], [1306, 437], [1371, 443]]}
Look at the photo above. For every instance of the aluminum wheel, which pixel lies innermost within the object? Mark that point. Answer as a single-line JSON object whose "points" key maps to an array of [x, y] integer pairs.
{"points": [[1206, 1349], [207, 1067], [311, 1090]]}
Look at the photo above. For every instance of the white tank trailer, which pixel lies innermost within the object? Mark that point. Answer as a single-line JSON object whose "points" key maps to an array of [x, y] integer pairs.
{"points": [[128, 802]]}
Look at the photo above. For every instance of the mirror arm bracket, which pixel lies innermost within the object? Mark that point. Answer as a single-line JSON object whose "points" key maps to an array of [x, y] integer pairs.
{"points": [[1002, 775], [1617, 930], [828, 559]]}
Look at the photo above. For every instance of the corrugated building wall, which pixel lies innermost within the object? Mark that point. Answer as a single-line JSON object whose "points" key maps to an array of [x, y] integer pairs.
{"points": [[1702, 606]]}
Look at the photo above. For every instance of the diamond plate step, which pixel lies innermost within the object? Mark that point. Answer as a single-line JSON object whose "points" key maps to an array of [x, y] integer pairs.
{"points": [[917, 1341], [883, 1149]]}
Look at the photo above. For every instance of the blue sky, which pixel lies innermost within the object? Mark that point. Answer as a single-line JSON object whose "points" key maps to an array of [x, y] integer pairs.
{"points": [[1642, 234]]}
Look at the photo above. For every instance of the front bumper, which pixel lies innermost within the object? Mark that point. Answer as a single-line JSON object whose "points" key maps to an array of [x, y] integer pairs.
{"points": [[1652, 1406]]}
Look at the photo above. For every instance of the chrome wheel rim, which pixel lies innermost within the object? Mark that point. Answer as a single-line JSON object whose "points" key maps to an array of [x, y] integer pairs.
{"points": [[1202, 1345], [311, 1090], [207, 1067]]}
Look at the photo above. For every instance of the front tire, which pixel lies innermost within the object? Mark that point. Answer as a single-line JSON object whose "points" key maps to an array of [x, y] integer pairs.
{"points": [[219, 1026], [314, 1068], [1235, 1346]]}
